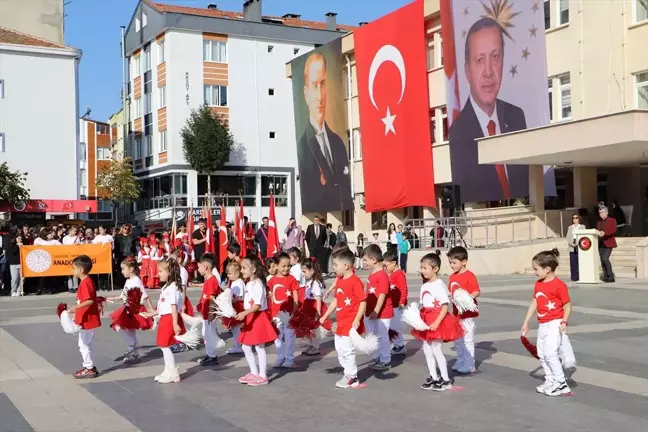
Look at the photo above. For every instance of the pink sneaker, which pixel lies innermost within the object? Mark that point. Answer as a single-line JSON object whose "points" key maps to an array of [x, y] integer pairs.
{"points": [[247, 379], [258, 381]]}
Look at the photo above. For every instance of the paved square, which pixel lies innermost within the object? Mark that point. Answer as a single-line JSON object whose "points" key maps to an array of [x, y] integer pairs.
{"points": [[608, 330]]}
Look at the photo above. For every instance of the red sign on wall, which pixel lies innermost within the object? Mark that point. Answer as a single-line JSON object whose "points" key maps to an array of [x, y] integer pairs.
{"points": [[50, 206]]}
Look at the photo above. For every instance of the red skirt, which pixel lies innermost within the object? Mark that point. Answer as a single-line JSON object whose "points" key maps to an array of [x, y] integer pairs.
{"points": [[165, 333], [123, 318], [188, 307], [258, 329], [305, 320], [144, 323], [231, 322], [449, 329]]}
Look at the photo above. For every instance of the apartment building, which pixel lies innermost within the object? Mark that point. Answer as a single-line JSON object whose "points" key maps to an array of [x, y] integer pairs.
{"points": [[116, 122], [39, 129], [40, 18], [95, 154], [182, 57]]}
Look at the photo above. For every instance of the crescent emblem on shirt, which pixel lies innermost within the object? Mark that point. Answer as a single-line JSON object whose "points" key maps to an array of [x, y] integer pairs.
{"points": [[424, 294], [452, 286], [275, 300], [339, 290], [537, 296]]}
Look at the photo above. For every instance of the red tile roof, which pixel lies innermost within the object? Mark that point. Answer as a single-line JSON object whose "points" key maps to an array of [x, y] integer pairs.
{"points": [[14, 37], [217, 13]]}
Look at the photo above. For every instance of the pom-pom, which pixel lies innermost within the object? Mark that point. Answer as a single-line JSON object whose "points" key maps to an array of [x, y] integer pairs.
{"points": [[191, 337], [190, 320], [412, 317], [533, 350], [566, 353], [60, 308], [68, 324], [156, 321], [223, 305], [284, 318], [366, 344], [464, 301], [323, 332], [303, 324], [101, 301]]}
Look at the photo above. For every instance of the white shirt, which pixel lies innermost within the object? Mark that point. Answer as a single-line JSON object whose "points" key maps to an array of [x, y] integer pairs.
{"points": [[313, 289], [484, 118], [184, 276], [238, 288], [325, 147], [434, 294], [132, 283], [217, 276], [296, 272], [169, 296], [70, 240], [255, 293], [40, 242], [393, 239], [103, 239]]}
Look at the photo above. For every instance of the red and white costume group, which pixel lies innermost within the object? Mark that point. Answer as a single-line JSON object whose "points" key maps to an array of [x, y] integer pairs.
{"points": [[149, 257]]}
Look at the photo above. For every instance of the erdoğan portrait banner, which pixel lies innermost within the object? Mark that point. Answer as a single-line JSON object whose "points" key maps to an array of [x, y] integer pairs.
{"points": [[390, 55]]}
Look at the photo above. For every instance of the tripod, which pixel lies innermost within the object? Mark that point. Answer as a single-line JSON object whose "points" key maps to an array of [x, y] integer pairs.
{"points": [[455, 237]]}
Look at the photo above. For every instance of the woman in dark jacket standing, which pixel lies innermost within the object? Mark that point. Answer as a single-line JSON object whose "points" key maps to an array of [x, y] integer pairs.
{"points": [[124, 247]]}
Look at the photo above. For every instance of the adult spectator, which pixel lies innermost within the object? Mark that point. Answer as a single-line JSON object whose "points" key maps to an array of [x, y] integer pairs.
{"points": [[341, 235], [392, 239], [46, 238], [27, 237], [331, 241], [438, 235], [12, 252], [294, 236], [619, 216], [360, 244], [412, 237], [72, 239], [316, 239], [577, 225], [261, 237], [199, 241], [607, 228], [5, 276], [248, 233], [124, 243]]}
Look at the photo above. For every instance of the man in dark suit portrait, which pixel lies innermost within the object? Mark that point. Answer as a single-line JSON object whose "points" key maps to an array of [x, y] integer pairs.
{"points": [[485, 115], [321, 154], [316, 239]]}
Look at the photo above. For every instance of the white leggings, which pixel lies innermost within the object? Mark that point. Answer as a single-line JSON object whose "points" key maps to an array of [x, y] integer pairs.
{"points": [[433, 357], [169, 360], [263, 360], [130, 337]]}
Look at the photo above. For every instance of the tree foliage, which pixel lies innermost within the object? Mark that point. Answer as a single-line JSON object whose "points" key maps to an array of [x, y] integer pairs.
{"points": [[12, 185], [116, 182], [206, 140]]}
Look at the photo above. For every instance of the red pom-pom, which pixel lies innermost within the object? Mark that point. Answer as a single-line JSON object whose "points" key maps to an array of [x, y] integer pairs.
{"points": [[100, 304], [60, 308], [303, 324], [133, 300], [533, 350]]}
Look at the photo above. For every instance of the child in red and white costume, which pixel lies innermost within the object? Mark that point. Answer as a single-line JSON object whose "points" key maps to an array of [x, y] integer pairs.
{"points": [[155, 256], [379, 306], [211, 289], [398, 294], [257, 328], [444, 327], [237, 286], [349, 305], [170, 324], [144, 260], [313, 307], [462, 278], [165, 246], [552, 305], [295, 256], [284, 295], [127, 319], [271, 268]]}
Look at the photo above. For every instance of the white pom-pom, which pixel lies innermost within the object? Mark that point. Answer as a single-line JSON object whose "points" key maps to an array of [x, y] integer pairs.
{"points": [[323, 332], [192, 337], [68, 324], [190, 320], [156, 321], [284, 318], [464, 301], [412, 317], [366, 344], [222, 305], [566, 353]]}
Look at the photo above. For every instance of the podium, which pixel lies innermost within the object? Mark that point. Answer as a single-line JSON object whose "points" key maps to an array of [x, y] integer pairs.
{"points": [[589, 261]]}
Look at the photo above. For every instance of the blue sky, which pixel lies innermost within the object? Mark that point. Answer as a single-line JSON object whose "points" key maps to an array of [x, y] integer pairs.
{"points": [[93, 26]]}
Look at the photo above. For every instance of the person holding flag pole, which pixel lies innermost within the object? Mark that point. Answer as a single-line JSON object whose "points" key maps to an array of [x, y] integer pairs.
{"points": [[273, 235], [240, 228], [223, 242]]}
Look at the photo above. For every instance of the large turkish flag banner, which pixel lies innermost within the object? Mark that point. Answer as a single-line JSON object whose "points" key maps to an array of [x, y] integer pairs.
{"points": [[391, 65]]}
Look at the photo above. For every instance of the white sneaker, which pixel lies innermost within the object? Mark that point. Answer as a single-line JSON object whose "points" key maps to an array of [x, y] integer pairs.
{"points": [[558, 389], [163, 374], [544, 386], [347, 382], [172, 376]]}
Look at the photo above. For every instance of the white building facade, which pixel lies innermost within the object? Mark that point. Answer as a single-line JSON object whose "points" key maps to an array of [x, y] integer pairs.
{"points": [[180, 58], [39, 129]]}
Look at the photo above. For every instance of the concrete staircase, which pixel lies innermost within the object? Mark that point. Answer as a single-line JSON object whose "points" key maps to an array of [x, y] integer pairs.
{"points": [[623, 259]]}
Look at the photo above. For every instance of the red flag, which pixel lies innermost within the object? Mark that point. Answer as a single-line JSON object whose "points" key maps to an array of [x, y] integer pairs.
{"points": [[210, 230], [222, 239], [240, 233], [394, 110], [273, 235], [190, 227]]}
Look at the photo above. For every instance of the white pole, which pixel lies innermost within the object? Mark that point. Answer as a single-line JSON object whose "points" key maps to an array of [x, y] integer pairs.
{"points": [[350, 122]]}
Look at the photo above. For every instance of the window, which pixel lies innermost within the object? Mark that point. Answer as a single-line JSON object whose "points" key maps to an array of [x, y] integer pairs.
{"points": [[270, 48], [276, 184], [640, 10], [104, 206], [547, 13], [137, 109], [215, 51], [271, 92], [137, 149], [136, 67], [563, 12], [162, 96], [1, 89], [83, 179], [2, 142], [550, 86], [348, 217], [272, 135], [147, 103], [357, 144], [147, 58], [296, 51], [163, 141], [148, 124], [83, 151], [379, 220], [431, 61], [433, 126], [443, 112], [144, 20], [642, 90], [565, 97], [138, 25], [161, 52], [216, 95], [147, 146], [440, 52], [103, 153]]}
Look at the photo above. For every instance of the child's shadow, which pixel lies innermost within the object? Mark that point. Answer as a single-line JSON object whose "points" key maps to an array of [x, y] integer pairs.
{"points": [[538, 374], [153, 353]]}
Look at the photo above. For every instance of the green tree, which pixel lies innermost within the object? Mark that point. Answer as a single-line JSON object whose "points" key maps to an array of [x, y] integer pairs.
{"points": [[206, 141], [117, 183], [12, 185]]}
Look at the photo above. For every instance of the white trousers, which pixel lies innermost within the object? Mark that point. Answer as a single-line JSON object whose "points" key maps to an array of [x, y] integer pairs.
{"points": [[548, 347], [346, 355], [380, 327], [86, 339], [130, 337], [465, 347], [314, 341], [285, 344], [210, 336], [397, 325]]}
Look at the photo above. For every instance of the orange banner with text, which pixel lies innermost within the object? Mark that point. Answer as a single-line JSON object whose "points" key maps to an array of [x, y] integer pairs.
{"points": [[43, 261]]}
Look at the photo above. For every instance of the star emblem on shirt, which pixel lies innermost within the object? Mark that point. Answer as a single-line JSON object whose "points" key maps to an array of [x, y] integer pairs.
{"points": [[372, 290], [436, 303], [205, 296], [162, 299], [551, 305], [347, 301], [251, 302], [393, 287]]}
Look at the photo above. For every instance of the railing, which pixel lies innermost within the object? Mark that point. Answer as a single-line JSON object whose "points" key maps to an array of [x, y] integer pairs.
{"points": [[490, 231], [171, 201]]}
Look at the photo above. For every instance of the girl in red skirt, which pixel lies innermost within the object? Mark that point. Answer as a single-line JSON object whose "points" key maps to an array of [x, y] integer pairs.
{"points": [[237, 286], [306, 320], [144, 260], [444, 327], [127, 319], [257, 328], [171, 324]]}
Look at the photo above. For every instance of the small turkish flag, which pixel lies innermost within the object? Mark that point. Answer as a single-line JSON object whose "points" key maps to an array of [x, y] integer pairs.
{"points": [[68, 205], [394, 110]]}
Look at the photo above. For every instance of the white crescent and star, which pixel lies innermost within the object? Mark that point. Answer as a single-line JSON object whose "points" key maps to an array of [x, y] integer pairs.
{"points": [[541, 294], [372, 290], [347, 301], [274, 296], [223, 229], [387, 53]]}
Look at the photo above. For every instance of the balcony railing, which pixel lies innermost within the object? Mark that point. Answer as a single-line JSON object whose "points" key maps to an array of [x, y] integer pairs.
{"points": [[182, 201]]}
